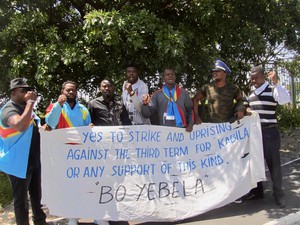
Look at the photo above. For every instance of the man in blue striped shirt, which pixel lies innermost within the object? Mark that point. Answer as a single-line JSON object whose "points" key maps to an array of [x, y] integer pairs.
{"points": [[264, 99]]}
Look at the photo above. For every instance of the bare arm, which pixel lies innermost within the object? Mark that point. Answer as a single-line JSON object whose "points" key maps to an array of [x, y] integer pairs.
{"points": [[146, 110], [240, 108], [198, 97], [22, 122]]}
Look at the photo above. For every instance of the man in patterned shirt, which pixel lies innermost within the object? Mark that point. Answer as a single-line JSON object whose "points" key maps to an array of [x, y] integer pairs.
{"points": [[67, 112], [264, 99], [224, 99]]}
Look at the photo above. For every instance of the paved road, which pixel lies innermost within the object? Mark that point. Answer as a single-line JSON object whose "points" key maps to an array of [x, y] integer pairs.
{"points": [[260, 211]]}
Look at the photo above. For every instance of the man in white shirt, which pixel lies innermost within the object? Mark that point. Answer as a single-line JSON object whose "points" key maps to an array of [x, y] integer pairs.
{"points": [[264, 99], [132, 92]]}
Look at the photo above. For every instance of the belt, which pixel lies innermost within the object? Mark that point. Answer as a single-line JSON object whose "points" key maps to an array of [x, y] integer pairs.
{"points": [[266, 126]]}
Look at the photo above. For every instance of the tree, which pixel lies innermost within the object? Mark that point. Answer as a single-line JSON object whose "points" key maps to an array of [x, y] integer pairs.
{"points": [[293, 67], [49, 42]]}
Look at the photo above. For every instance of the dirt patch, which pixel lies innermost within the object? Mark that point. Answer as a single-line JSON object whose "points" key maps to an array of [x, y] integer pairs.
{"points": [[290, 145]]}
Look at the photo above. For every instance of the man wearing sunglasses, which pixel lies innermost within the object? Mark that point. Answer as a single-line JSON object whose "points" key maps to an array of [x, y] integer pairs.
{"points": [[20, 151]]}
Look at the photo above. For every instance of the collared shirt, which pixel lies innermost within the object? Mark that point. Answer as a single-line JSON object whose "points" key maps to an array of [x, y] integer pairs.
{"points": [[280, 94], [133, 103], [103, 113], [265, 99]]}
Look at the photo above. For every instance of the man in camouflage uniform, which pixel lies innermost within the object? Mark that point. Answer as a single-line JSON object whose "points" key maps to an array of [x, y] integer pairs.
{"points": [[224, 100]]}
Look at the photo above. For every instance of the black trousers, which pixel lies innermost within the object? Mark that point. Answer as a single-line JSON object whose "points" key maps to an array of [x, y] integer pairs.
{"points": [[271, 146], [21, 187], [118, 223]]}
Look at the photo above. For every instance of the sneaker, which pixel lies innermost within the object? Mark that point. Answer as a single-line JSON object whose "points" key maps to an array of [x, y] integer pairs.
{"points": [[280, 202], [101, 222], [238, 201], [73, 221]]}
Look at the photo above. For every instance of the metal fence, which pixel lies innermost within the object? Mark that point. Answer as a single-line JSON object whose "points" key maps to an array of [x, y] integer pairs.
{"points": [[290, 81]]}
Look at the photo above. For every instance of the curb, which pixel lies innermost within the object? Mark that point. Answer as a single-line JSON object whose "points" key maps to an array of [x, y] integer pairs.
{"points": [[291, 219]]}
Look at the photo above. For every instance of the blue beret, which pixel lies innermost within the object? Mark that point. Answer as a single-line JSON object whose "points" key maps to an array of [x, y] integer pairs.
{"points": [[219, 65]]}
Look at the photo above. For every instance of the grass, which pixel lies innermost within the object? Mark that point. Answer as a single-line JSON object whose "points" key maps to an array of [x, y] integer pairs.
{"points": [[5, 191]]}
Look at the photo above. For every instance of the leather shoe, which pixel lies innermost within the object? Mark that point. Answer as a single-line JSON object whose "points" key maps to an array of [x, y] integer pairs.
{"points": [[280, 202], [251, 196]]}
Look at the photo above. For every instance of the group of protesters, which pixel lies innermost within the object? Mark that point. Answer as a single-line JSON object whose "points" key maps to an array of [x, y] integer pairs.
{"points": [[169, 106]]}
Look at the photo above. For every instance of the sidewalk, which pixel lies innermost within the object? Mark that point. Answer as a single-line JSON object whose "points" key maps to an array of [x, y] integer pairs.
{"points": [[261, 211]]}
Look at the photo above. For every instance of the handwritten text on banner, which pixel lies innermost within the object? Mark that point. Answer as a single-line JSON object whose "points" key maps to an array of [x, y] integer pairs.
{"points": [[149, 173]]}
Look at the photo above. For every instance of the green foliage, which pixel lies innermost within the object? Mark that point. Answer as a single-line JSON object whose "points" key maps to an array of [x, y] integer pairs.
{"points": [[288, 117], [49, 42], [292, 66], [5, 190]]}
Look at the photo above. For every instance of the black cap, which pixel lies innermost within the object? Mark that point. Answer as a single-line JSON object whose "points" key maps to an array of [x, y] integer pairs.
{"points": [[18, 83]]}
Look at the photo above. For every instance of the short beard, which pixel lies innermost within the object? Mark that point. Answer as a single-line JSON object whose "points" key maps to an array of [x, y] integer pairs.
{"points": [[107, 96], [71, 100]]}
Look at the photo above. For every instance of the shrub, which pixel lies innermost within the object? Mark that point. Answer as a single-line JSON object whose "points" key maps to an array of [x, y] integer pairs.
{"points": [[5, 190], [288, 117]]}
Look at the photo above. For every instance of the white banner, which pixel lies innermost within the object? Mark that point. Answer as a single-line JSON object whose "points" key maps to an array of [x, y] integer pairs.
{"points": [[149, 173]]}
